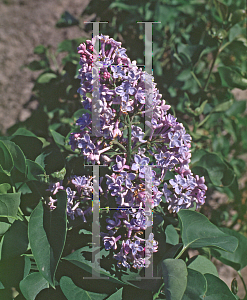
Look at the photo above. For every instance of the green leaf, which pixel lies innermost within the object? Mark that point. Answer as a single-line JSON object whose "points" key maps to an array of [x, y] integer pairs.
{"points": [[197, 231], [9, 204], [231, 78], [17, 155], [47, 233], [172, 236], [34, 170], [238, 107], [196, 286], [184, 75], [117, 296], [235, 32], [175, 278], [46, 78], [237, 259], [37, 65], [65, 46], [238, 16], [217, 289], [70, 45], [59, 175], [58, 138], [12, 271], [219, 172], [15, 240], [28, 142], [203, 265], [80, 261], [25, 132], [6, 160], [4, 187], [222, 9], [67, 20], [4, 225], [123, 6], [73, 292], [32, 284], [40, 49], [223, 106]]}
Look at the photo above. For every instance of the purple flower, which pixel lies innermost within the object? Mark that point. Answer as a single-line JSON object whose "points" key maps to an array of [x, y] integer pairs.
{"points": [[110, 242], [133, 76], [140, 95], [85, 144], [52, 203], [120, 164], [139, 162], [113, 223], [114, 184], [125, 89], [118, 71], [137, 133], [128, 177], [136, 247], [179, 183], [122, 257], [166, 160], [167, 193], [55, 187], [79, 181]]}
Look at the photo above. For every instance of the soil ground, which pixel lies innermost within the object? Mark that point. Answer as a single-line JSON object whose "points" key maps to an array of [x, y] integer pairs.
{"points": [[25, 24]]}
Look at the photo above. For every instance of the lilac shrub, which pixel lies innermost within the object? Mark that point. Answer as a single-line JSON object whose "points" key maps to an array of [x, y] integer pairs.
{"points": [[122, 89]]}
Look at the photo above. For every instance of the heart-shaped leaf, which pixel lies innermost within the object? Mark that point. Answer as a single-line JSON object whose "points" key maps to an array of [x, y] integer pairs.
{"points": [[218, 171], [237, 259], [47, 232], [73, 292], [172, 236], [203, 265], [9, 204], [175, 278], [197, 231], [32, 284], [217, 289], [196, 286]]}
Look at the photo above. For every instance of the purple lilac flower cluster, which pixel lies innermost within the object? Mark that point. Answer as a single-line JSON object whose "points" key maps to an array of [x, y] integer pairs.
{"points": [[134, 249], [79, 196], [123, 89]]}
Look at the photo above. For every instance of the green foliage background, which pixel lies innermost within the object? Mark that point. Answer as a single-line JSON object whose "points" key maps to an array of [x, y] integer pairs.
{"points": [[199, 57]]}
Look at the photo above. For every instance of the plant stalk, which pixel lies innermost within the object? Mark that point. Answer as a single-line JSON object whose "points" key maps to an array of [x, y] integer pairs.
{"points": [[157, 294], [212, 66], [245, 288]]}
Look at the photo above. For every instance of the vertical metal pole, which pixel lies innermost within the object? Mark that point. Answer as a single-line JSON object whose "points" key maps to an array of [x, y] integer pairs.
{"points": [[96, 83], [148, 77], [95, 132]]}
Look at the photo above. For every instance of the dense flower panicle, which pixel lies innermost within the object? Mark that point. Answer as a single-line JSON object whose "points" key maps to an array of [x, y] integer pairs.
{"points": [[125, 94]]}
